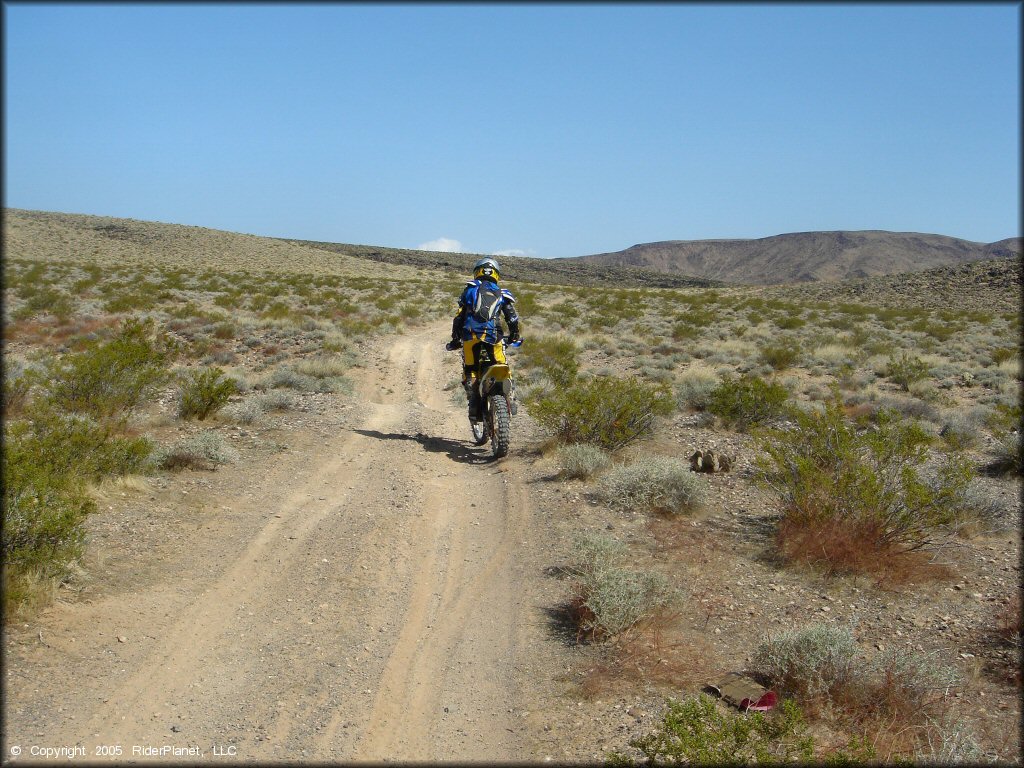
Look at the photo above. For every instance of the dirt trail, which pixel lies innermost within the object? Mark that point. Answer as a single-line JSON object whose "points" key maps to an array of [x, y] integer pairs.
{"points": [[365, 600]]}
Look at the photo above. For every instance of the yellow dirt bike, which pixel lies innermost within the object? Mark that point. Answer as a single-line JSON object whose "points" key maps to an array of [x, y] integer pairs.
{"points": [[494, 396]]}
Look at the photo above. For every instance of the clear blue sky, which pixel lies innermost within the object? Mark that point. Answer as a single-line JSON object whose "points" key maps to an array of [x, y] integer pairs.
{"points": [[552, 130]]}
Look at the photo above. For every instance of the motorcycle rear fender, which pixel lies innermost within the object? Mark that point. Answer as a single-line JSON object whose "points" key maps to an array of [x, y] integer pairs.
{"points": [[497, 377]]}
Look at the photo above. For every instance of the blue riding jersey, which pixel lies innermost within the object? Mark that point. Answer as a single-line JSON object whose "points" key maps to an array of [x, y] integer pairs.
{"points": [[469, 327]]}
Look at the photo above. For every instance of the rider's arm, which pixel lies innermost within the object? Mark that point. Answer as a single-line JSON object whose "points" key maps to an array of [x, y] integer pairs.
{"points": [[508, 310], [460, 317], [457, 323]]}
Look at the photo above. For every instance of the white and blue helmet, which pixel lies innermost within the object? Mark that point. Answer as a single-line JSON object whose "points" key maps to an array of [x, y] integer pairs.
{"points": [[487, 267]]}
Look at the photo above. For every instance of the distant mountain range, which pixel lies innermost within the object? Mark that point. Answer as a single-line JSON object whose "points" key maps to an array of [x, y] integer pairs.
{"points": [[804, 256]]}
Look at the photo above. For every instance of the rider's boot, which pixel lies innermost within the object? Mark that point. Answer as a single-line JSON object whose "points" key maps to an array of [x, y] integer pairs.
{"points": [[473, 404]]}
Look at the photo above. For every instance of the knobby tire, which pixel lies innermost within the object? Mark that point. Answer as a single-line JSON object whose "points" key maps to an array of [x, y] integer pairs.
{"points": [[501, 425]]}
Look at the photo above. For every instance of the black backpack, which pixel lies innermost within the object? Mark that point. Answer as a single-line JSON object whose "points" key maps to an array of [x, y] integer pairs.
{"points": [[487, 302]]}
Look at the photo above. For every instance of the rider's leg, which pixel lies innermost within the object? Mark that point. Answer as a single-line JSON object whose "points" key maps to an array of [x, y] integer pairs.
{"points": [[469, 352]]}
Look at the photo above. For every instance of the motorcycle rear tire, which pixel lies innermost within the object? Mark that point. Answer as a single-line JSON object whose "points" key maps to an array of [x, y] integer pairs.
{"points": [[500, 426]]}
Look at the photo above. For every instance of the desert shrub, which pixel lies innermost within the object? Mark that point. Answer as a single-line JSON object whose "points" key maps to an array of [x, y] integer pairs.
{"points": [[43, 518], [907, 698], [580, 461], [69, 444], [336, 342], [289, 378], [248, 411], [790, 322], [687, 328], [48, 457], [1005, 421], [334, 384], [556, 357], [906, 370], [1008, 621], [695, 387], [224, 330], [925, 390], [110, 377], [205, 450], [323, 367], [949, 742], [864, 483], [279, 310], [747, 401], [220, 356], [603, 411], [902, 695], [960, 432], [840, 357], [697, 731], [611, 599], [129, 301], [596, 551], [906, 682], [910, 408], [812, 662], [203, 392], [47, 299], [1002, 354], [276, 401], [16, 386], [1008, 458], [780, 356], [651, 482], [617, 599]]}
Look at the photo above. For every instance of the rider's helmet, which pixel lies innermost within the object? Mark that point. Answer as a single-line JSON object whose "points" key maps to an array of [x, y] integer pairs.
{"points": [[486, 268]]}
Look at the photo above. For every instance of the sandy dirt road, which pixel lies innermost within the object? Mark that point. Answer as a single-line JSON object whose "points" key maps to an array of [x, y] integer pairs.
{"points": [[366, 599]]}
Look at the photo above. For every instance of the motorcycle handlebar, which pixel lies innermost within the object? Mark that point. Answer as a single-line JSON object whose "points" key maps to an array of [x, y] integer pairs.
{"points": [[452, 346]]}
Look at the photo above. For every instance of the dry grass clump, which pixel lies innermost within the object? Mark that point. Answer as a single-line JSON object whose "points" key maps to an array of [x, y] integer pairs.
{"points": [[840, 547], [695, 385], [292, 377], [651, 483], [276, 400], [1008, 622], [206, 450], [323, 367], [611, 599], [580, 461], [834, 354], [813, 663], [248, 411]]}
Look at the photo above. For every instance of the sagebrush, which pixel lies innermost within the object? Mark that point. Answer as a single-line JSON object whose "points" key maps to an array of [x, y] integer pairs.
{"points": [[605, 411]]}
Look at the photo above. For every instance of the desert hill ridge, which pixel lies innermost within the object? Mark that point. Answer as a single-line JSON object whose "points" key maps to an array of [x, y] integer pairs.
{"points": [[59, 236], [801, 257], [796, 258]]}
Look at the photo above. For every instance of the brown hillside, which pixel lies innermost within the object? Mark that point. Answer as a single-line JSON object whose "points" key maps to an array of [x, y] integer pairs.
{"points": [[991, 285], [805, 256], [50, 236]]}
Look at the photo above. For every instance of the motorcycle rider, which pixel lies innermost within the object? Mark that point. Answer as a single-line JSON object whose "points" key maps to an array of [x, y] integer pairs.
{"points": [[477, 323]]}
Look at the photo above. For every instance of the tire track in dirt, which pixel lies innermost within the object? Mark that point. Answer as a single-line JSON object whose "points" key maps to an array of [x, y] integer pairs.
{"points": [[165, 675], [366, 610], [427, 706]]}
